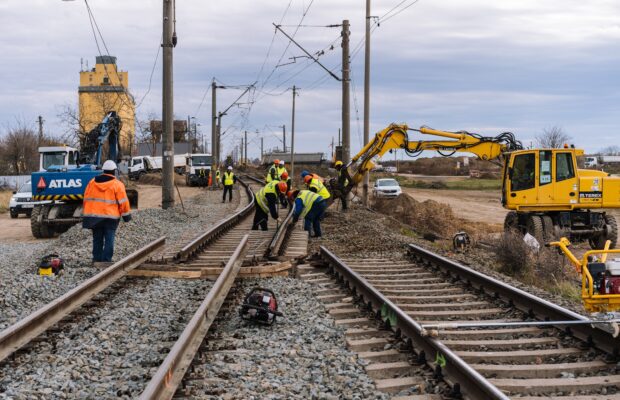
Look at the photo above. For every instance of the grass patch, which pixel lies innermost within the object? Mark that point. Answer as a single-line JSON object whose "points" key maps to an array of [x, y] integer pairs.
{"points": [[568, 290], [409, 233], [461, 184], [5, 197]]}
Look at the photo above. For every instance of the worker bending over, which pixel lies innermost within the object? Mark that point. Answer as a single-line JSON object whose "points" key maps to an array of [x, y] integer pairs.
{"points": [[272, 173], [315, 185], [266, 201], [342, 182], [286, 179], [228, 181], [309, 206], [105, 203]]}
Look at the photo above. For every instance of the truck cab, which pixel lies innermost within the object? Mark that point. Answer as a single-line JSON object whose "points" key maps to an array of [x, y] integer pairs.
{"points": [[58, 157], [198, 169]]}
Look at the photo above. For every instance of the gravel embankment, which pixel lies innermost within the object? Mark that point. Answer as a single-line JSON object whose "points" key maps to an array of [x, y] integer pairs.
{"points": [[363, 233], [111, 351], [302, 356], [23, 291]]}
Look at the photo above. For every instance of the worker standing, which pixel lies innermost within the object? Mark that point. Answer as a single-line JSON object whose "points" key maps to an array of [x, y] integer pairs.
{"points": [[217, 177], [281, 169], [105, 203], [315, 185], [272, 173], [229, 180], [266, 200], [309, 206], [342, 182]]}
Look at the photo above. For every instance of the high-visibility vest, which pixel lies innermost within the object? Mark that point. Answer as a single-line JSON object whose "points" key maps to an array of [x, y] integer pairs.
{"points": [[261, 196], [272, 170], [280, 171], [229, 178], [321, 190], [217, 174], [307, 198], [345, 181], [106, 200]]}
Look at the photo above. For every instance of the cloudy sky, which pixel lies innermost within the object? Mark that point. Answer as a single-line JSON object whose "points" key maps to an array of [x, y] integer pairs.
{"points": [[480, 65]]}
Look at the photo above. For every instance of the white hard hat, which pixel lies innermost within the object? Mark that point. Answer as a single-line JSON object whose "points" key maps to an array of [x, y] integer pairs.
{"points": [[230, 168], [109, 166], [281, 162]]}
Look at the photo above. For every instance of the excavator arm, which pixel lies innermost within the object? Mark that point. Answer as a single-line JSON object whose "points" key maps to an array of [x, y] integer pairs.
{"points": [[396, 137]]}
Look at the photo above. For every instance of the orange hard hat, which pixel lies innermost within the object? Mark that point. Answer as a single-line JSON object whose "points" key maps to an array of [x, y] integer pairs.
{"points": [[308, 178], [282, 186], [284, 176], [276, 161]]}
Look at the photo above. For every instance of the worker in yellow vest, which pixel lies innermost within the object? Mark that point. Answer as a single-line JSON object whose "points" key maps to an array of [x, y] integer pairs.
{"points": [[228, 181], [342, 183], [272, 173], [309, 206], [286, 179], [281, 169], [315, 185], [266, 200], [217, 177]]}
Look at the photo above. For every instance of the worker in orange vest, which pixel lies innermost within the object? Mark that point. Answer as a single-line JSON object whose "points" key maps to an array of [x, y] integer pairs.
{"points": [[105, 203]]}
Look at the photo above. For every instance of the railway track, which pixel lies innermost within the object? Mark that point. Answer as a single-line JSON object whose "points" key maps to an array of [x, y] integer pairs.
{"points": [[424, 321], [235, 246]]}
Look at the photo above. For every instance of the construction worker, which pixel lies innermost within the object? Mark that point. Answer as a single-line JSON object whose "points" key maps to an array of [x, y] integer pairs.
{"points": [[272, 173], [266, 200], [283, 199], [309, 206], [281, 169], [342, 183], [105, 203], [217, 177], [314, 184], [229, 180]]}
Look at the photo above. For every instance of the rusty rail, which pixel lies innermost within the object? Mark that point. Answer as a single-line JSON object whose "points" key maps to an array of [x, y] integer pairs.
{"points": [[19, 334], [216, 231], [170, 374]]}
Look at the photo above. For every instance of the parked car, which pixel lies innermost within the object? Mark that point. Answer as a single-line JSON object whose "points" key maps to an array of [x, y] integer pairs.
{"points": [[21, 201], [386, 187]]}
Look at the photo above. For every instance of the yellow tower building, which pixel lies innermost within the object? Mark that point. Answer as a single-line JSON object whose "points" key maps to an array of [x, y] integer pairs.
{"points": [[102, 89]]}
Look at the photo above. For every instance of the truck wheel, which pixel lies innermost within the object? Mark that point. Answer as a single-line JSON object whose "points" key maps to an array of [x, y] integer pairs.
{"points": [[511, 222], [548, 229], [35, 225], [38, 223], [534, 226], [140, 175], [14, 214], [611, 233]]}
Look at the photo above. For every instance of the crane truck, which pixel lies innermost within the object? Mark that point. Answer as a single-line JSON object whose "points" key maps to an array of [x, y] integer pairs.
{"points": [[546, 194], [63, 177]]}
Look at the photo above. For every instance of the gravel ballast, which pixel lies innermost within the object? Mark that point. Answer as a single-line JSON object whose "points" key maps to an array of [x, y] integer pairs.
{"points": [[113, 349], [302, 356], [23, 291]]}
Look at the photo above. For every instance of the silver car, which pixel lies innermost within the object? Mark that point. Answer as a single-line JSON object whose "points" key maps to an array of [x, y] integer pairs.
{"points": [[21, 202], [386, 187]]}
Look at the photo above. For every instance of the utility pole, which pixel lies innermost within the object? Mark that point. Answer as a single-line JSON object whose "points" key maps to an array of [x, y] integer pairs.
{"points": [[246, 147], [346, 108], [261, 150], [169, 40], [366, 98], [284, 138], [213, 125], [241, 152], [189, 135], [40, 119], [293, 135], [217, 138]]}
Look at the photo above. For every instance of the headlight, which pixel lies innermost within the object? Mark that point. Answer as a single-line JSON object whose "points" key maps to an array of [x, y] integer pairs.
{"points": [[14, 199]]}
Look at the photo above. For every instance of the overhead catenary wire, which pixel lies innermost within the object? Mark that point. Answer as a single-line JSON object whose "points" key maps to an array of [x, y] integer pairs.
{"points": [[151, 76]]}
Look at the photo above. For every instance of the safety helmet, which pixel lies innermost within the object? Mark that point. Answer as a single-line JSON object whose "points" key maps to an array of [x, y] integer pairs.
{"points": [[109, 166], [281, 162], [282, 186], [304, 173], [230, 167], [338, 164], [276, 161], [284, 176], [307, 178]]}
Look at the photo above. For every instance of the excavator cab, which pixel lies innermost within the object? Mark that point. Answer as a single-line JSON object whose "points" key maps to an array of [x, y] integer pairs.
{"points": [[600, 276]]}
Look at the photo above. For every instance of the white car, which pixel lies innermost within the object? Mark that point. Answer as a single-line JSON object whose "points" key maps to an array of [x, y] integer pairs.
{"points": [[387, 187], [21, 201]]}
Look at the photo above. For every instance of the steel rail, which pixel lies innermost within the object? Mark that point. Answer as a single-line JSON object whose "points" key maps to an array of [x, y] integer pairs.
{"points": [[164, 383], [533, 305], [19, 334], [217, 230], [276, 244], [472, 383]]}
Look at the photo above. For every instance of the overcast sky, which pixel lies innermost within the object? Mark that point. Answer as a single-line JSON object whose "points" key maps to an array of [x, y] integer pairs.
{"points": [[482, 66]]}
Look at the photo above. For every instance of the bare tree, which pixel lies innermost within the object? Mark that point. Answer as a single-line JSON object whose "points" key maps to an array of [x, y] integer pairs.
{"points": [[552, 138], [610, 151], [19, 153]]}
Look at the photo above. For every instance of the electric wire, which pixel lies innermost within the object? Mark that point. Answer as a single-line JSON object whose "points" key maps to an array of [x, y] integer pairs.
{"points": [[152, 72]]}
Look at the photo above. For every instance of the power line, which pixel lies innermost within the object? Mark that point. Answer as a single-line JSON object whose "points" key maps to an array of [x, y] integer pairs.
{"points": [[383, 19], [152, 72]]}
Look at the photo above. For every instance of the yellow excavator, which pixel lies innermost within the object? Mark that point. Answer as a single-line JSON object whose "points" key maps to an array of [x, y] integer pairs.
{"points": [[547, 194]]}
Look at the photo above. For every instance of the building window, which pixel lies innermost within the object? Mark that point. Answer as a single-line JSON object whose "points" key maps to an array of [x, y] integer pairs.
{"points": [[106, 80]]}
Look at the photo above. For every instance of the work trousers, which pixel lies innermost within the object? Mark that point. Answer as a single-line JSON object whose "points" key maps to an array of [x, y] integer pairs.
{"points": [[103, 244], [260, 219], [312, 221], [227, 188]]}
